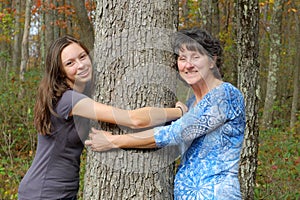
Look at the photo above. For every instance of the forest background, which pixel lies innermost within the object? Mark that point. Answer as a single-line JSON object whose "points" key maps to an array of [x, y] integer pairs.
{"points": [[25, 35]]}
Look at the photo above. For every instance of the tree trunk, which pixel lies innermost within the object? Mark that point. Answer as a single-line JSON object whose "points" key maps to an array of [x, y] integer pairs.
{"points": [[248, 68], [210, 16], [25, 56], [49, 23], [274, 63], [86, 30], [16, 53], [296, 89], [4, 45], [133, 63]]}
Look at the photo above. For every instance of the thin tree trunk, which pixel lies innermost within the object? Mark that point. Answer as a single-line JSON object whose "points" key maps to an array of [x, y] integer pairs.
{"points": [[16, 54], [133, 69], [296, 89], [248, 69], [210, 16], [24, 59], [4, 46], [86, 30], [49, 23], [274, 63]]}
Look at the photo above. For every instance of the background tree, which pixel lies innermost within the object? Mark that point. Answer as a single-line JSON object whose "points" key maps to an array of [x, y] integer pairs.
{"points": [[296, 77], [274, 62], [25, 57], [133, 69], [210, 16], [248, 68], [16, 53], [86, 30]]}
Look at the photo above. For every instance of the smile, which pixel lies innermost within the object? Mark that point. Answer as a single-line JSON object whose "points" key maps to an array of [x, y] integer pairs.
{"points": [[84, 73]]}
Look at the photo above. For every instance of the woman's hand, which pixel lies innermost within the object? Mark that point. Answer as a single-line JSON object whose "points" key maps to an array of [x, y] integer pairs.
{"points": [[100, 140], [182, 106]]}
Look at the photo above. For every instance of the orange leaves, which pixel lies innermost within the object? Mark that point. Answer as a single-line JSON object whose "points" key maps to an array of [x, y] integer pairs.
{"points": [[38, 3]]}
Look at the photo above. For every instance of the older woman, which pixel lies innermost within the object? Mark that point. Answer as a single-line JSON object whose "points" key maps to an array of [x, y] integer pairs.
{"points": [[211, 132]]}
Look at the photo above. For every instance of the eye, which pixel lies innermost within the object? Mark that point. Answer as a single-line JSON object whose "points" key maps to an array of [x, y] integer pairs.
{"points": [[181, 58], [69, 64], [83, 56]]}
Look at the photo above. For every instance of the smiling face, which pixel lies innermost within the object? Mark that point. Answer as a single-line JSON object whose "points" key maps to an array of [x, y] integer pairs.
{"points": [[194, 67], [77, 64]]}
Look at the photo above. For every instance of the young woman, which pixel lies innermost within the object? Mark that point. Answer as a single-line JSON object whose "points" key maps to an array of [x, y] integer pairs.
{"points": [[54, 173], [211, 132]]}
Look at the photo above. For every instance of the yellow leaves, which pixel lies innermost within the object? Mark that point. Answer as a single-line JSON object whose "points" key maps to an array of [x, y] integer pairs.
{"points": [[294, 10]]}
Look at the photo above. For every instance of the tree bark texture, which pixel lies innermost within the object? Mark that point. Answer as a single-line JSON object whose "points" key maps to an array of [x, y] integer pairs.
{"points": [[274, 63], [248, 68], [296, 81], [133, 68]]}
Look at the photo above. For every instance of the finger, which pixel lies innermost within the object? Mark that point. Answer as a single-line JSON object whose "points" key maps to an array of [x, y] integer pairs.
{"points": [[91, 135], [95, 130], [88, 142]]}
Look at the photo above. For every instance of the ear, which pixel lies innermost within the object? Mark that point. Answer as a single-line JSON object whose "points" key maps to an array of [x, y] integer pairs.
{"points": [[213, 62]]}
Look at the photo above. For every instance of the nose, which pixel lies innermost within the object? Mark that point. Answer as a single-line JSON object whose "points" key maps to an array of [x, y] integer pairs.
{"points": [[79, 64], [189, 64]]}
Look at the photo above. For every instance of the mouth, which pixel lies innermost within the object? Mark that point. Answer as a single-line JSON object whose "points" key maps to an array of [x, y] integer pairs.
{"points": [[191, 72], [84, 73]]}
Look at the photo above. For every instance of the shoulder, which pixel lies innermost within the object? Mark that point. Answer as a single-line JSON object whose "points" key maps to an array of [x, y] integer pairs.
{"points": [[233, 93], [228, 91], [226, 94], [71, 94], [235, 99], [71, 97]]}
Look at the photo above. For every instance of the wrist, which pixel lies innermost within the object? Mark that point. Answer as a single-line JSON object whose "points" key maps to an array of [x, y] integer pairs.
{"points": [[181, 110], [116, 141]]}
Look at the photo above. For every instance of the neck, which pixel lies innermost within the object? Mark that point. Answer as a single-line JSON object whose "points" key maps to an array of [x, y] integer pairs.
{"points": [[79, 87], [203, 87]]}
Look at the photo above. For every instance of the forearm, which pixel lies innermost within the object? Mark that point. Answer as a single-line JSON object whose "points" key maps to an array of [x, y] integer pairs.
{"points": [[138, 118], [102, 140], [151, 116], [141, 140]]}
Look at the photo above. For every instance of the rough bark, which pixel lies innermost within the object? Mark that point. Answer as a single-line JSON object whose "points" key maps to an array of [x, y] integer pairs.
{"points": [[248, 68], [274, 63], [133, 64]]}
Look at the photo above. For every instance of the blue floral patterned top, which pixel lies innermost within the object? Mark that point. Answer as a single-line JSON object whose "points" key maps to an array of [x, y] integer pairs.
{"points": [[210, 135]]}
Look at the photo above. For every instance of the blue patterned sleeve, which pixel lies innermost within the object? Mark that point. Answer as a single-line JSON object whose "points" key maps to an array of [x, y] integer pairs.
{"points": [[208, 115]]}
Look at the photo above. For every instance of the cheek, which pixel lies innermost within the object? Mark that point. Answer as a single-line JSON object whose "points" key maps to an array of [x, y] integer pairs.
{"points": [[71, 71], [180, 66]]}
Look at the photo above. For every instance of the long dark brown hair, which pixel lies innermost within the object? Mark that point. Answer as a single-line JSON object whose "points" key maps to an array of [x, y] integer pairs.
{"points": [[53, 84]]}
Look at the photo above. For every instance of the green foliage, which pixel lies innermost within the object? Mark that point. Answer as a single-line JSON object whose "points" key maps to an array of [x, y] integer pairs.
{"points": [[278, 173], [17, 133], [6, 24]]}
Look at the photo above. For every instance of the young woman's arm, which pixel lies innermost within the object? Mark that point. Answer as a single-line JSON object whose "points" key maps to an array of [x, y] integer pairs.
{"points": [[139, 118], [103, 140]]}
